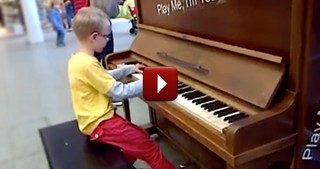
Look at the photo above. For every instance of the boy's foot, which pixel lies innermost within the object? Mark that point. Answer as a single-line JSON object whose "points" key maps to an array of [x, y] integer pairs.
{"points": [[69, 30]]}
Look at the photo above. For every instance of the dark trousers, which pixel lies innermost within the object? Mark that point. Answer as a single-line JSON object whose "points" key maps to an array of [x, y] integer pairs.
{"points": [[69, 16], [60, 37], [109, 48]]}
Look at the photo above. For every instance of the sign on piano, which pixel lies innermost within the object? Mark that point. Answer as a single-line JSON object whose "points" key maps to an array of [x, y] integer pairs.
{"points": [[181, 5]]}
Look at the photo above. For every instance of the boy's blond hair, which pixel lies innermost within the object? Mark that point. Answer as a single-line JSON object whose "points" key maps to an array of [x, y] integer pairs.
{"points": [[88, 20]]}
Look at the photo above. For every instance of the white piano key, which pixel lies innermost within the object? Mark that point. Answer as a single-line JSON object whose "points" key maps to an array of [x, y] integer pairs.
{"points": [[199, 112], [138, 76]]}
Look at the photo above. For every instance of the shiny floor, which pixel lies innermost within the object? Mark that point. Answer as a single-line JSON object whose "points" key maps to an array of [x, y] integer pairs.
{"points": [[35, 94]]}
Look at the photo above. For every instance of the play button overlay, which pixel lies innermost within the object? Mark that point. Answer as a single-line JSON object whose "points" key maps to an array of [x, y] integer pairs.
{"points": [[160, 83]]}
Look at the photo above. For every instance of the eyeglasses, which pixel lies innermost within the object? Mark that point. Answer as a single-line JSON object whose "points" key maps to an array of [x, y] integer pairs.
{"points": [[107, 37]]}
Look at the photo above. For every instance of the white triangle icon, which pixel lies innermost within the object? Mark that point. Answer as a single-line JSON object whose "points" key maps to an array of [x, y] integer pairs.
{"points": [[160, 83]]}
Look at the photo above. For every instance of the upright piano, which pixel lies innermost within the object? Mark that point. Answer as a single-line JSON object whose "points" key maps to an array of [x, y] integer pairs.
{"points": [[249, 83]]}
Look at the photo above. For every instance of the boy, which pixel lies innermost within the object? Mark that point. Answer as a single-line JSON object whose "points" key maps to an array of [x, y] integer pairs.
{"points": [[57, 23], [92, 88]]}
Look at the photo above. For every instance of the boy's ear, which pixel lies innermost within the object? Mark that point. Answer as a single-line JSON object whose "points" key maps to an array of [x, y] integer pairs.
{"points": [[94, 35]]}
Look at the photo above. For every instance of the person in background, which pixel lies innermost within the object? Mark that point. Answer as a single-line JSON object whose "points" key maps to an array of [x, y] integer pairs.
{"points": [[111, 8], [124, 9], [69, 13], [55, 18], [78, 4], [1, 17]]}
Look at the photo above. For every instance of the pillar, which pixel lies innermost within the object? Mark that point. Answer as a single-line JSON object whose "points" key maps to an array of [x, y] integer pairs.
{"points": [[32, 21]]}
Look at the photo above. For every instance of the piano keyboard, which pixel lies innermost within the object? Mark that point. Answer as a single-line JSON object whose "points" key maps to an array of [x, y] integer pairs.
{"points": [[208, 109], [213, 112]]}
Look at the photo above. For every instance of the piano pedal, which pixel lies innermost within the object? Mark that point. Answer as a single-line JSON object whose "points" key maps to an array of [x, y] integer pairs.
{"points": [[190, 165]]}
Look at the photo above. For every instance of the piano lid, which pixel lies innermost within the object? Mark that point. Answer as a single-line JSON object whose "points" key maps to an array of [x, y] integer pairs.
{"points": [[257, 25], [238, 47]]}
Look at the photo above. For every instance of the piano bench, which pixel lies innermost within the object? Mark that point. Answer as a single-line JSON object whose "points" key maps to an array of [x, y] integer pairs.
{"points": [[67, 148]]}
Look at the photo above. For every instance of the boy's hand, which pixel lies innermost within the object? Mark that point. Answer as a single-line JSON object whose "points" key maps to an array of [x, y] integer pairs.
{"points": [[139, 68]]}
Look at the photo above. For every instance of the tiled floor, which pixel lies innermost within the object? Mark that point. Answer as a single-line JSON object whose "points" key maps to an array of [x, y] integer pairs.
{"points": [[34, 94]]}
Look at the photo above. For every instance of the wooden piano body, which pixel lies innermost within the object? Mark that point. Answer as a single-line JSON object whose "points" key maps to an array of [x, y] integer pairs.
{"points": [[257, 57]]}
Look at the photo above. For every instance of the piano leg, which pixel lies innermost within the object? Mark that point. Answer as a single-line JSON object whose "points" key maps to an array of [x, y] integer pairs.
{"points": [[152, 115], [149, 127], [126, 109]]}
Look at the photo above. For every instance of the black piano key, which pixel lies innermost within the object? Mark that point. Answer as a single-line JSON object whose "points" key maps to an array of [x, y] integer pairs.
{"points": [[181, 86], [215, 106], [212, 105], [198, 99], [201, 94], [184, 89], [229, 117], [192, 94], [203, 100], [236, 117], [189, 94], [190, 97], [225, 112], [187, 88], [180, 91], [196, 95], [207, 104]]}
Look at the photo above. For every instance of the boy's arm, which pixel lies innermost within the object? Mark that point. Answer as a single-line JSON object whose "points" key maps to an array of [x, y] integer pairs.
{"points": [[122, 72], [121, 91], [105, 83]]}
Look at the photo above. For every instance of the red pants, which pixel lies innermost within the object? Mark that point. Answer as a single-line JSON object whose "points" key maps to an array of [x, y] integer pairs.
{"points": [[132, 140]]}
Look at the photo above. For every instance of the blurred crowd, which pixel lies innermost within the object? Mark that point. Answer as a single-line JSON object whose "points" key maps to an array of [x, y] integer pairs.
{"points": [[65, 9]]}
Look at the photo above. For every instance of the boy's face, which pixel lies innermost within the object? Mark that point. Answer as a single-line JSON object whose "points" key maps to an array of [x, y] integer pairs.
{"points": [[100, 39]]}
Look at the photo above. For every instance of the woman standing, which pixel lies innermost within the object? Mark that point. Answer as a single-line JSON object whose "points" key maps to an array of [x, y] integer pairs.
{"points": [[111, 8]]}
